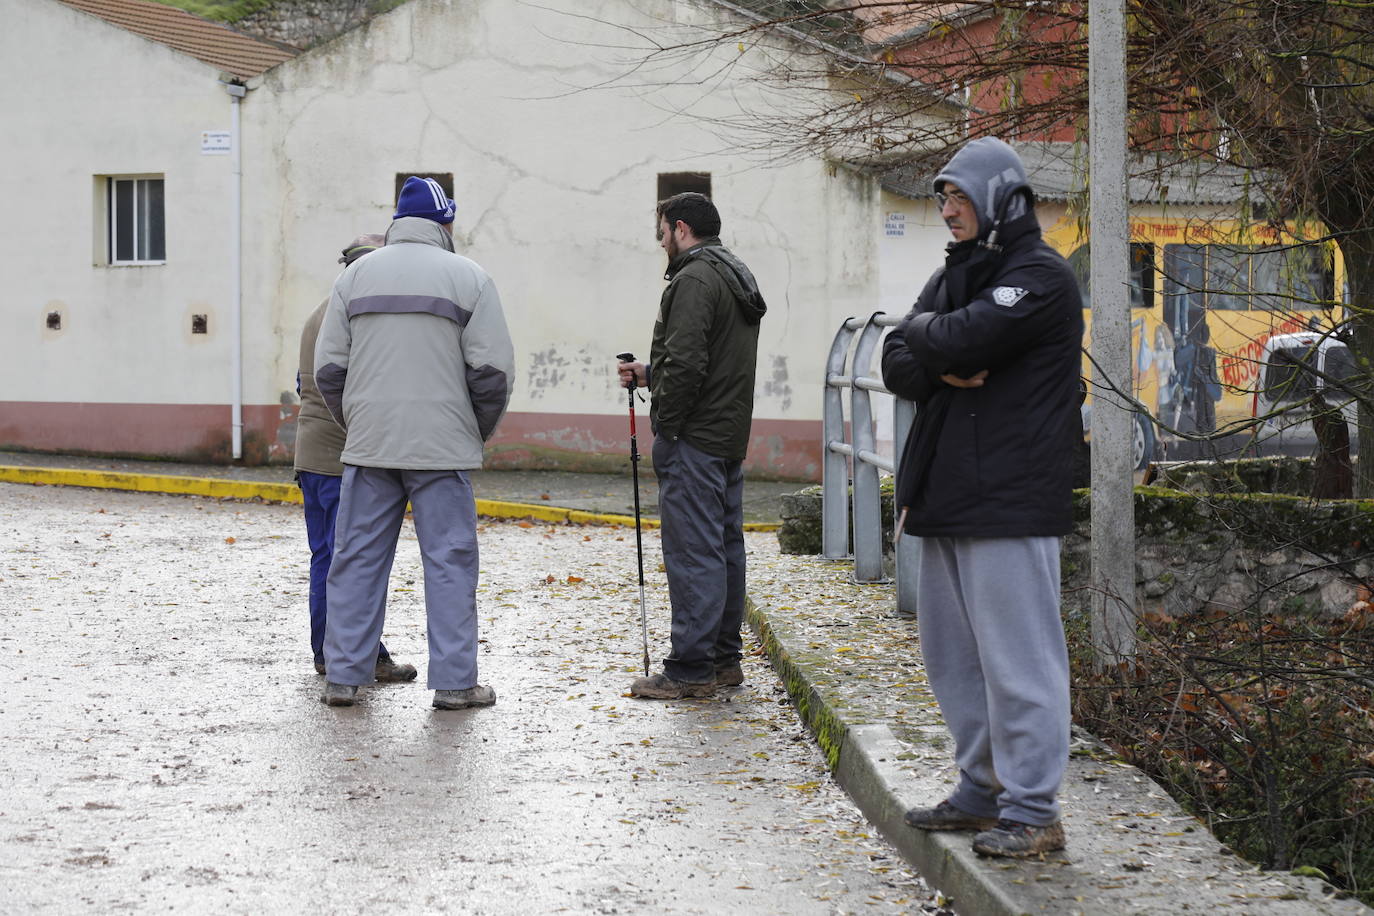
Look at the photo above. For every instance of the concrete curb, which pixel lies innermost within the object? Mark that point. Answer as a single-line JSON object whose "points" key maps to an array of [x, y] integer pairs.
{"points": [[1132, 850], [219, 488], [869, 771], [864, 760]]}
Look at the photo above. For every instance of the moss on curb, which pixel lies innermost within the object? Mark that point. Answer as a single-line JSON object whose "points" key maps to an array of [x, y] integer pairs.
{"points": [[828, 728]]}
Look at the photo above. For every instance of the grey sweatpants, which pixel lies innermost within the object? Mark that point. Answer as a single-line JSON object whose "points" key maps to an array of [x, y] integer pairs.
{"points": [[993, 643], [701, 504], [372, 504]]}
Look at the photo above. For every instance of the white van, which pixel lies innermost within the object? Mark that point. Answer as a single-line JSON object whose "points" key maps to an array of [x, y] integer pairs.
{"points": [[1287, 385]]}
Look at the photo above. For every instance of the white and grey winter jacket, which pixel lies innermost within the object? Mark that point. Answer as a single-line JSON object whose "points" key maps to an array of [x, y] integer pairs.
{"points": [[414, 359]]}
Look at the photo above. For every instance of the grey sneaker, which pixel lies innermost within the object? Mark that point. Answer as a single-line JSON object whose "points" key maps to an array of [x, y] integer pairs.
{"points": [[946, 816], [463, 699], [1016, 840], [389, 671], [662, 687], [731, 675], [338, 694]]}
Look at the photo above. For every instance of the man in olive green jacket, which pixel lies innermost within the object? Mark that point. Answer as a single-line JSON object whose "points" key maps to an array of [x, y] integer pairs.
{"points": [[319, 441], [701, 379]]}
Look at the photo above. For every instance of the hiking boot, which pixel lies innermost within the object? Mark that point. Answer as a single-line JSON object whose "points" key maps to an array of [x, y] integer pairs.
{"points": [[945, 816], [1016, 840], [338, 694], [463, 699], [389, 671], [731, 675], [662, 687]]}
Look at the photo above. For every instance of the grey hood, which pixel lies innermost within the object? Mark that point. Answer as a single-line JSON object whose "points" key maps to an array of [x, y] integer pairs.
{"points": [[419, 229], [989, 172]]}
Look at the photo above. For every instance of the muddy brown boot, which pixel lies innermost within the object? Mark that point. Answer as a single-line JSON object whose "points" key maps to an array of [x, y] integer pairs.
{"points": [[946, 816], [389, 671], [662, 687], [1015, 840], [731, 675]]}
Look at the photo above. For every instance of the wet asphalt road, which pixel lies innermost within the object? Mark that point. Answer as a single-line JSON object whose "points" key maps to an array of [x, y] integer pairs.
{"points": [[165, 748]]}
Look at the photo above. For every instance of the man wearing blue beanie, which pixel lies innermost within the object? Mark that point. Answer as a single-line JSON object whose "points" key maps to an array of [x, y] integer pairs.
{"points": [[415, 362], [990, 353]]}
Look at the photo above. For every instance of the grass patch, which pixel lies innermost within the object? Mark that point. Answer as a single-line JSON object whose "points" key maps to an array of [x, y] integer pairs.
{"points": [[220, 10], [231, 11]]}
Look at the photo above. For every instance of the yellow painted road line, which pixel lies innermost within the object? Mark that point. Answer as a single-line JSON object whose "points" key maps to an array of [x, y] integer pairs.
{"points": [[493, 508], [219, 488]]}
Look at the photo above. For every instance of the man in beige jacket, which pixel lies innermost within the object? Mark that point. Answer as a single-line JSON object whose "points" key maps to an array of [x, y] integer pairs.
{"points": [[319, 441]]}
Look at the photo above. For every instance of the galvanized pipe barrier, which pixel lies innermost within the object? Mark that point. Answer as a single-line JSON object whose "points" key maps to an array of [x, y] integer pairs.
{"points": [[861, 452]]}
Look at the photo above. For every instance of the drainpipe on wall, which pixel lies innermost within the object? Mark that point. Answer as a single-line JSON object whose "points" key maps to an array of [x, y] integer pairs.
{"points": [[236, 94]]}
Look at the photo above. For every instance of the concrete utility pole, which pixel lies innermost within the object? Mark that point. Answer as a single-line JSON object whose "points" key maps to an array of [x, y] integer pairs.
{"points": [[1113, 503]]}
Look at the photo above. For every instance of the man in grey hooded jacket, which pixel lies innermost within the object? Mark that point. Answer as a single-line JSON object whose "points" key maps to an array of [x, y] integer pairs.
{"points": [[415, 362], [991, 355]]}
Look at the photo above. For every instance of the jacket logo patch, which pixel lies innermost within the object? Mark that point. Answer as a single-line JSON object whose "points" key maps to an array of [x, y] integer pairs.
{"points": [[1008, 295]]}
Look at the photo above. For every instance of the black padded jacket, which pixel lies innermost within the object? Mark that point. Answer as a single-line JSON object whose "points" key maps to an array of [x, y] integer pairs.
{"points": [[993, 461]]}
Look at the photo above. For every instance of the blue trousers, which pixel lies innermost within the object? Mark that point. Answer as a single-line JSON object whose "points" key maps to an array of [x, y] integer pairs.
{"points": [[701, 503], [372, 504], [320, 493]]}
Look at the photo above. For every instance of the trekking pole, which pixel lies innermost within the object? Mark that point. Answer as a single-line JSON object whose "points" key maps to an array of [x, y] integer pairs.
{"points": [[639, 537]]}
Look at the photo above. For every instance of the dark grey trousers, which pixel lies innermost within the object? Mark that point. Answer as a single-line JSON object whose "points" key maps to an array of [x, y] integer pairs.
{"points": [[372, 504], [993, 643], [701, 503]]}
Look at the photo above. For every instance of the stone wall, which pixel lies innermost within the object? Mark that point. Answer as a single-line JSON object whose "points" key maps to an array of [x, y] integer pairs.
{"points": [[1290, 475], [800, 512], [1202, 551], [1251, 475], [304, 23], [1198, 552]]}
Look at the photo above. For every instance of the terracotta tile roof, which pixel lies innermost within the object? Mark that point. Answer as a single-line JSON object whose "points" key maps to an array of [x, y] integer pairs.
{"points": [[241, 55]]}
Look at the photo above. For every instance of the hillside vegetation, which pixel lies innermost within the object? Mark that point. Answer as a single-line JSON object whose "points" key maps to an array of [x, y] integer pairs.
{"points": [[220, 10]]}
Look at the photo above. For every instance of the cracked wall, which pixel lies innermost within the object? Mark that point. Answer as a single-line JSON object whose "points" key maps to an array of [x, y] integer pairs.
{"points": [[555, 158]]}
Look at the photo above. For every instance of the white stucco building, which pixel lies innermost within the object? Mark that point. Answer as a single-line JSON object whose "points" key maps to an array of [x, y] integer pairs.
{"points": [[120, 309]]}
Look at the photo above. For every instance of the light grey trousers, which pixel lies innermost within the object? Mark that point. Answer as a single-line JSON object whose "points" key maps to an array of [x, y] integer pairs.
{"points": [[701, 503], [372, 504], [993, 643]]}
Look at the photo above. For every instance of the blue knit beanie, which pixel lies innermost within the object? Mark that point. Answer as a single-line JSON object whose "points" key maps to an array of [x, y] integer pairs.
{"points": [[423, 197]]}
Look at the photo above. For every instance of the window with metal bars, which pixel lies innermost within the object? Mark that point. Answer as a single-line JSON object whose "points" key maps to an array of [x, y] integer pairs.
{"points": [[137, 225]]}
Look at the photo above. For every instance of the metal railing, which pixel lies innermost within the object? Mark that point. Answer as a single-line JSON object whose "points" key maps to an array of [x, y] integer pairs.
{"points": [[862, 453]]}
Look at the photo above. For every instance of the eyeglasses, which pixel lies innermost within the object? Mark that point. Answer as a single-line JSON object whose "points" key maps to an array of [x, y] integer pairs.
{"points": [[958, 197]]}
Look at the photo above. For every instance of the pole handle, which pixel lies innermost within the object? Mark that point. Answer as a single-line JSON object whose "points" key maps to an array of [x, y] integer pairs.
{"points": [[628, 357]]}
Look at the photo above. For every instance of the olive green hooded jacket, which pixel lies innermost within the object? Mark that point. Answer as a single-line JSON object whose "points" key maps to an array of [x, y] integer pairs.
{"points": [[704, 351]]}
